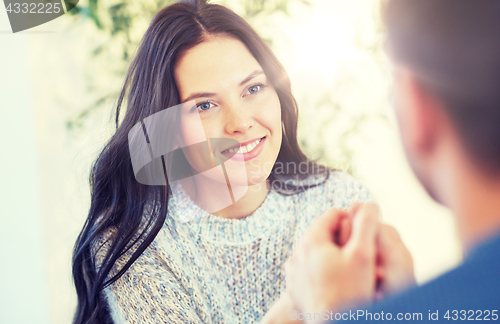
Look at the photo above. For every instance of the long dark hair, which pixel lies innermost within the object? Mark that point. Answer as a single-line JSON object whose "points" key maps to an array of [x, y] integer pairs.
{"points": [[118, 200]]}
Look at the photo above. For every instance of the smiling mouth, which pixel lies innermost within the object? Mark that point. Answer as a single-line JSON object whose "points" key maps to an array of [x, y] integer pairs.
{"points": [[244, 149]]}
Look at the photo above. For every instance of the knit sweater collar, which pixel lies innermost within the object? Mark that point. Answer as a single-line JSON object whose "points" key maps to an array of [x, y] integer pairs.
{"points": [[226, 230]]}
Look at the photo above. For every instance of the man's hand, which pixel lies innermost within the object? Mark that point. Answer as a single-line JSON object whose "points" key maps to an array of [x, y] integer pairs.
{"points": [[322, 275], [395, 264]]}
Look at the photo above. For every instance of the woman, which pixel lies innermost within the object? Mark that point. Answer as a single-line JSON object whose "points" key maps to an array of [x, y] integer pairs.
{"points": [[149, 253]]}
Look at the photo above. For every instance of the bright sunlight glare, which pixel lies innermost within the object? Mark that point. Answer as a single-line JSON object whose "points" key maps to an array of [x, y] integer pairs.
{"points": [[324, 40]]}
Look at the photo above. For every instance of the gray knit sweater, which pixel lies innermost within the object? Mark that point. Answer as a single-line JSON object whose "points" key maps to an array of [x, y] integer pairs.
{"points": [[218, 270]]}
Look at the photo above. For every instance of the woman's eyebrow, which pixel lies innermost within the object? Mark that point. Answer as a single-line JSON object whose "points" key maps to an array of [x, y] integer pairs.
{"points": [[251, 76], [211, 94], [199, 95]]}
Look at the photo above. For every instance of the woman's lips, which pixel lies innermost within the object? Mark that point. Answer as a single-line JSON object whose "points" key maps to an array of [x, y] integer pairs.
{"points": [[245, 156]]}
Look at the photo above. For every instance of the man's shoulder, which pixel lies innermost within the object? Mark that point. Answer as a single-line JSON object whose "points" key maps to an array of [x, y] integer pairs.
{"points": [[476, 283]]}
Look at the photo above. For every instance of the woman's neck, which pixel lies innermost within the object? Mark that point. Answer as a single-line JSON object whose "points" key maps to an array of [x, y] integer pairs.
{"points": [[245, 206], [202, 195]]}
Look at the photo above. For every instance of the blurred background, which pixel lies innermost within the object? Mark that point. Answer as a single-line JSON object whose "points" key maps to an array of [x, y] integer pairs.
{"points": [[58, 88]]}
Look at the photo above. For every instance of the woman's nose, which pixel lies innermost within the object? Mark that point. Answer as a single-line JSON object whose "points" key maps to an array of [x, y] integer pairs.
{"points": [[238, 119]]}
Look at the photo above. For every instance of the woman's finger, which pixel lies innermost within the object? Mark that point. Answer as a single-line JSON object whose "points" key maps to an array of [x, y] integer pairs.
{"points": [[324, 228], [345, 231]]}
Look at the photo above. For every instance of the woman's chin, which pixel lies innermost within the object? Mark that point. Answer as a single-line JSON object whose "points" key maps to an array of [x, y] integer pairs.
{"points": [[256, 180], [216, 179]]}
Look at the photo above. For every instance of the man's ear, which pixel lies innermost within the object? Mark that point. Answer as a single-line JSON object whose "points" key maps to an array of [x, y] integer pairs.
{"points": [[419, 114]]}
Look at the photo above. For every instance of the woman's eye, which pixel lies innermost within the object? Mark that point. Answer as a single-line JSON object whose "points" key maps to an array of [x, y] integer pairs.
{"points": [[254, 89], [205, 106]]}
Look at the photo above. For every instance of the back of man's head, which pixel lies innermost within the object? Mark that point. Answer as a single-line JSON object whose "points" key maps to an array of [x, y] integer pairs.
{"points": [[453, 49]]}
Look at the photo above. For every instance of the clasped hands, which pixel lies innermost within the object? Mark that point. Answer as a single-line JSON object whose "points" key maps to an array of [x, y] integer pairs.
{"points": [[345, 259]]}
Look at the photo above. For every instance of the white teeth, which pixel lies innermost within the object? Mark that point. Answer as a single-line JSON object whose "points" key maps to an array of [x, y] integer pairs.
{"points": [[245, 149]]}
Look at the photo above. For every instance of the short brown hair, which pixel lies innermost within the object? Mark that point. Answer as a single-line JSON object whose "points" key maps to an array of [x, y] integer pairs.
{"points": [[453, 48]]}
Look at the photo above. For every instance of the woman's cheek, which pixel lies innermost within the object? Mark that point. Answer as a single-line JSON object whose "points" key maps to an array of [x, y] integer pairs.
{"points": [[194, 130], [272, 115]]}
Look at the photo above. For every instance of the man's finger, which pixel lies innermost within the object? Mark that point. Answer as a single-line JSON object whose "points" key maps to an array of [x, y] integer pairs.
{"points": [[388, 237], [364, 228], [355, 206]]}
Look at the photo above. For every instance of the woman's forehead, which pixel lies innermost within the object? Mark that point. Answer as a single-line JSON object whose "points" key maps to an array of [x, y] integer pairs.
{"points": [[219, 61]]}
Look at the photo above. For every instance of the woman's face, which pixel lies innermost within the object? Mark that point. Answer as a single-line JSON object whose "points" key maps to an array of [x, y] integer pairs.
{"points": [[234, 101]]}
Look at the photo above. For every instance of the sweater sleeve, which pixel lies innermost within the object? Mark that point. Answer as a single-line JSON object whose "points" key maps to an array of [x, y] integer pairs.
{"points": [[149, 292], [142, 299]]}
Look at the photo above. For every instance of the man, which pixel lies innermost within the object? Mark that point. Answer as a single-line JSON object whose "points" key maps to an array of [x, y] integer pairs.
{"points": [[446, 56]]}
